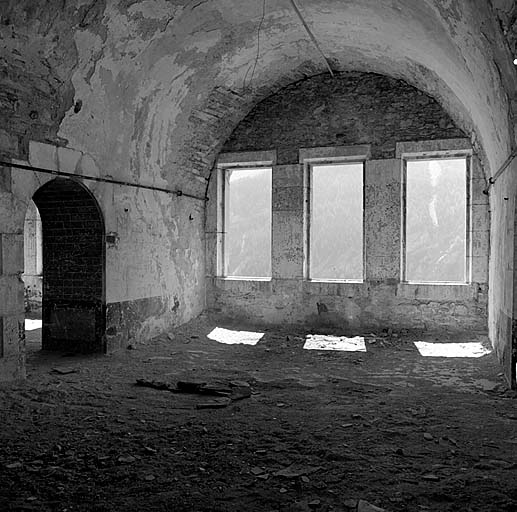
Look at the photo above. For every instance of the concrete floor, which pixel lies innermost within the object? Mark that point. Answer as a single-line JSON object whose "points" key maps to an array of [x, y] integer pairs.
{"points": [[377, 421]]}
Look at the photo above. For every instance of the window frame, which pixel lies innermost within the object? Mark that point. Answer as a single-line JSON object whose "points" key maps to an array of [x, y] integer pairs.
{"points": [[340, 155], [234, 162], [464, 154]]}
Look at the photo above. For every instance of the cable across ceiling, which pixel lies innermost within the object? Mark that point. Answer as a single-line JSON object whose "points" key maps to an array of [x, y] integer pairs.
{"points": [[312, 36]]}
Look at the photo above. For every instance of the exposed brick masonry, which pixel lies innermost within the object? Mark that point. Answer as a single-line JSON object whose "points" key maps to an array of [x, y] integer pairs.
{"points": [[352, 108], [72, 261]]}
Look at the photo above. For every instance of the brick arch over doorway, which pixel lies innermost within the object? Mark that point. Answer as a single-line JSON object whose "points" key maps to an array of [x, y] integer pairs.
{"points": [[73, 267]]}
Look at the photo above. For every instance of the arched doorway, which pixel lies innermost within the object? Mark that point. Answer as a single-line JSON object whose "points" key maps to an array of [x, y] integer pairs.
{"points": [[32, 276], [73, 306], [33, 263]]}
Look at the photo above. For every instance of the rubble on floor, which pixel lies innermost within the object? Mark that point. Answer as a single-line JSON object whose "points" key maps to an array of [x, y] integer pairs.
{"points": [[398, 432]]}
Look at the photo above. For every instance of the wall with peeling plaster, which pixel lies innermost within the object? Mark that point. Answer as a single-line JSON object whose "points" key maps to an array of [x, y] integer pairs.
{"points": [[151, 90], [352, 110], [154, 275], [503, 285]]}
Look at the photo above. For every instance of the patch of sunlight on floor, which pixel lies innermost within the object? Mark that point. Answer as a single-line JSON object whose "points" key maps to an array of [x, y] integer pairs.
{"points": [[342, 343], [31, 325], [474, 349], [230, 337]]}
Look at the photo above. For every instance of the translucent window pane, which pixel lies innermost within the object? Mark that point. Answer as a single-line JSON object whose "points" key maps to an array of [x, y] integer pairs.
{"points": [[248, 223], [436, 220], [336, 235]]}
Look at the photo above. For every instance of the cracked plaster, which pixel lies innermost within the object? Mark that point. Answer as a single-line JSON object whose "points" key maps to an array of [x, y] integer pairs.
{"points": [[161, 83]]}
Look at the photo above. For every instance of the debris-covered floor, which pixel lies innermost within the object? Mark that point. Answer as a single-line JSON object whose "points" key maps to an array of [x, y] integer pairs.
{"points": [[375, 421]]}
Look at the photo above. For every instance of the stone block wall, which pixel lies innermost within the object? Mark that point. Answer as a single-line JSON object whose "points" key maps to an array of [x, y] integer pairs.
{"points": [[379, 120], [12, 329]]}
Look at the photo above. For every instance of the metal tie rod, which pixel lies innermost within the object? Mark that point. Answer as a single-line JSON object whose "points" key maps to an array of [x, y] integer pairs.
{"points": [[312, 36], [177, 193], [500, 171]]}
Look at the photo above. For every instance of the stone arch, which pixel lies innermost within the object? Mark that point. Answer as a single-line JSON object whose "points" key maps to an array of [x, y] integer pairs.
{"points": [[73, 310], [428, 56], [213, 121], [377, 115], [341, 101]]}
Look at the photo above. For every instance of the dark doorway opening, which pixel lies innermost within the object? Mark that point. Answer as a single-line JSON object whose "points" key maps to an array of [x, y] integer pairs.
{"points": [[73, 305]]}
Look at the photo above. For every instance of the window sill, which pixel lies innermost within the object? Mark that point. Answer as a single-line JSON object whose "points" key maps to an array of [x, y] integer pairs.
{"points": [[435, 283], [352, 281], [243, 278]]}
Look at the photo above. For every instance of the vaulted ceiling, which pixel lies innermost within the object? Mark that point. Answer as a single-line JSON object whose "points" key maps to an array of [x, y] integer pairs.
{"points": [[154, 87]]}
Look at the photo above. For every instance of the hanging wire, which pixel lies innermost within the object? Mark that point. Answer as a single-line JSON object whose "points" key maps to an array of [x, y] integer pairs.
{"points": [[312, 37]]}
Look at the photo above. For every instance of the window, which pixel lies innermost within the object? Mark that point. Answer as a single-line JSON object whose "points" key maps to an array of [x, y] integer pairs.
{"points": [[336, 221], [246, 222], [436, 220]]}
